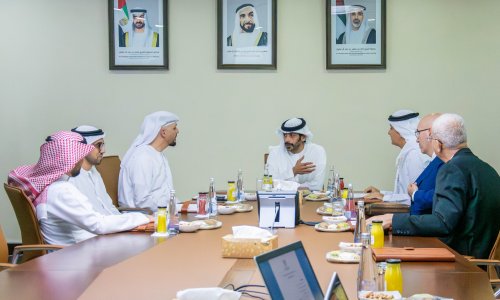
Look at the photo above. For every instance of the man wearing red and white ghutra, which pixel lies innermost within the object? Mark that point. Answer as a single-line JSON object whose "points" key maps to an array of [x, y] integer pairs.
{"points": [[65, 214]]}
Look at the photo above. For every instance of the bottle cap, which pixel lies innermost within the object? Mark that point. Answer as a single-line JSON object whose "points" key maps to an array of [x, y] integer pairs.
{"points": [[393, 261], [377, 221], [361, 203], [230, 181]]}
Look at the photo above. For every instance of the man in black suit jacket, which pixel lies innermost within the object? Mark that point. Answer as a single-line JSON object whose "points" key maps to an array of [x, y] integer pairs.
{"points": [[466, 202]]}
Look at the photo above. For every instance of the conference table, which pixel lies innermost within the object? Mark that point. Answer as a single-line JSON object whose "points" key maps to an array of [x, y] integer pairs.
{"points": [[134, 265]]}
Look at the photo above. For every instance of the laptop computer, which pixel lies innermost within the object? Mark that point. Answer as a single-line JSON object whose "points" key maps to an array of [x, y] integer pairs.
{"points": [[288, 274]]}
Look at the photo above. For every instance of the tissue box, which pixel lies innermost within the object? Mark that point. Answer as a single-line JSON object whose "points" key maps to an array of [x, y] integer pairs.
{"points": [[246, 248]]}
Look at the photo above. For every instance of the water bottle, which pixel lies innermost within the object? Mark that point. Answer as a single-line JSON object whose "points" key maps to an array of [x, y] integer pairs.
{"points": [[360, 222], [212, 199], [240, 195], [367, 275], [173, 220], [350, 207]]}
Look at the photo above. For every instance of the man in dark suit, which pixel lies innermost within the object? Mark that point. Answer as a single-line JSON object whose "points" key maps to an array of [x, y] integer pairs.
{"points": [[422, 190], [466, 200]]}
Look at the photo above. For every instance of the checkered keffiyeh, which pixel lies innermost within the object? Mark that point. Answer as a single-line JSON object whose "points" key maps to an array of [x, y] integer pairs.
{"points": [[58, 156]]}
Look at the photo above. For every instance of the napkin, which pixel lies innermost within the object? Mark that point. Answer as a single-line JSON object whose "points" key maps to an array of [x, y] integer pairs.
{"points": [[208, 293], [251, 232], [283, 185]]}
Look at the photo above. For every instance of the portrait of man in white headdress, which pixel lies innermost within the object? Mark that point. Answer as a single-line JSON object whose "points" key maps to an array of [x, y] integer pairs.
{"points": [[357, 30], [247, 31], [138, 32]]}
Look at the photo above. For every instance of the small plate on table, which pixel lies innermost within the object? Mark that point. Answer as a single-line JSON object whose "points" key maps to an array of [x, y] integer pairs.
{"points": [[226, 209], [188, 226], [339, 256], [326, 227], [316, 196], [389, 295], [208, 224]]}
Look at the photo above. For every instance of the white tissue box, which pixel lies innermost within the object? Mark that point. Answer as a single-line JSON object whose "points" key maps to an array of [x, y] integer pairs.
{"points": [[246, 247]]}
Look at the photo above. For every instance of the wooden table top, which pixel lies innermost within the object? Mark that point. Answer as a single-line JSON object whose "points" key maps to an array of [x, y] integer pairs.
{"points": [[137, 266]]}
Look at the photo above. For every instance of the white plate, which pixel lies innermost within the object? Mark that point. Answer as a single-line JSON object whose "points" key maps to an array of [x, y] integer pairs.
{"points": [[330, 228], [362, 295], [340, 256], [317, 197], [226, 209], [334, 220], [326, 211], [350, 246], [188, 227], [243, 207], [203, 224]]}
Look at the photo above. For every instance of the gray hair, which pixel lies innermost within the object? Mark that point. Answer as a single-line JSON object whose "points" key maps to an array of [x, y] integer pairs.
{"points": [[450, 130]]}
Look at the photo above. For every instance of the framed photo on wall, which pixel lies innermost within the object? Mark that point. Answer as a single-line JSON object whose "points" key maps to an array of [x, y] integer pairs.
{"points": [[246, 34], [138, 34], [355, 34]]}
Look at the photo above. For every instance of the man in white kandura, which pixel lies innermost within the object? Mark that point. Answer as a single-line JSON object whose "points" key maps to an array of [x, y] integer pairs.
{"points": [[65, 214], [89, 182], [296, 158], [145, 176], [410, 161]]}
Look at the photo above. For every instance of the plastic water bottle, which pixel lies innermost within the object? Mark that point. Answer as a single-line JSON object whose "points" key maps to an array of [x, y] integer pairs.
{"points": [[240, 195], [212, 199], [367, 275], [350, 207], [173, 220], [360, 222]]}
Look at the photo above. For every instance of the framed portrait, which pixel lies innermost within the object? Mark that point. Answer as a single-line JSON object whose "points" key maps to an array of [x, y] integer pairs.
{"points": [[246, 34], [138, 34], [355, 34]]}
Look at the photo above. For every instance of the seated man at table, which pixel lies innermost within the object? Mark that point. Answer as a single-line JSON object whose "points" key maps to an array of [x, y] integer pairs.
{"points": [[145, 177], [422, 190], [65, 214], [89, 182], [410, 161], [466, 200], [296, 158]]}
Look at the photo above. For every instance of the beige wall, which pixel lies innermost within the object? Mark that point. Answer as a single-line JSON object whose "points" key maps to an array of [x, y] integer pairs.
{"points": [[441, 56]]}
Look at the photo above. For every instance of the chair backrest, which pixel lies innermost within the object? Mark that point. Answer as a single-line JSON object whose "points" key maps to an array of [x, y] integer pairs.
{"points": [[495, 255], [26, 217], [4, 249], [109, 168]]}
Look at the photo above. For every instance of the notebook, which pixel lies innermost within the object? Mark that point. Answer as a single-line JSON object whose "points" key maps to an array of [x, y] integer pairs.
{"points": [[288, 274]]}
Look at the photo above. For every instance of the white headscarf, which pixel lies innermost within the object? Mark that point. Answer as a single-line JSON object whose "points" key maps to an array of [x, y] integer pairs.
{"points": [[296, 125], [405, 122], [90, 133], [356, 36], [149, 130], [245, 39]]}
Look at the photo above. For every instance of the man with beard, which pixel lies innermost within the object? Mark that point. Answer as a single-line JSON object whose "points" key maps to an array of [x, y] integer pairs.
{"points": [[141, 34], [65, 214], [145, 178], [357, 30], [296, 158], [89, 182], [247, 32]]}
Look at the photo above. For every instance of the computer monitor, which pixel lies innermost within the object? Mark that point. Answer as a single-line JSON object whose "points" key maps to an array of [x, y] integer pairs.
{"points": [[288, 274]]}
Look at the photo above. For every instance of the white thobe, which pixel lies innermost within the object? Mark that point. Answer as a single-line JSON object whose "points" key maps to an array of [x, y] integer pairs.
{"points": [[145, 180], [91, 185], [281, 162], [409, 164], [72, 219]]}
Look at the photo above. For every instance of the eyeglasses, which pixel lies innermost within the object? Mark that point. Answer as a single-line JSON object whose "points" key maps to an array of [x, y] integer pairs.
{"points": [[100, 145], [417, 132]]}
